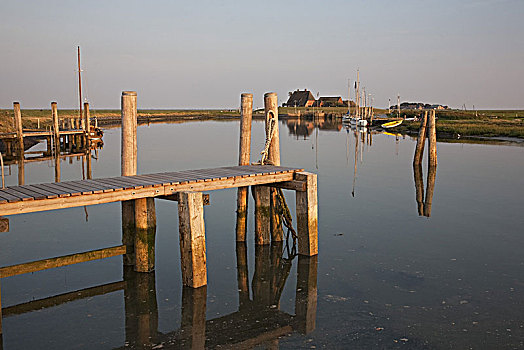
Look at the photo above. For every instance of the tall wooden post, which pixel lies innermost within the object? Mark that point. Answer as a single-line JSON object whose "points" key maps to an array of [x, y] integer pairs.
{"points": [[56, 128], [87, 118], [145, 223], [192, 239], [432, 140], [262, 214], [129, 168], [307, 215], [419, 150], [271, 110], [243, 159], [306, 294], [18, 126]]}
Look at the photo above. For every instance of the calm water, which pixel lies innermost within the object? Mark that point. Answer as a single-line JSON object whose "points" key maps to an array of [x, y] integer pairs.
{"points": [[386, 277]]}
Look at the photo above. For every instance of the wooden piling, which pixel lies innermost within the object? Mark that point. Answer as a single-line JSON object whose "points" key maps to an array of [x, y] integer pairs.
{"points": [[419, 150], [432, 140], [18, 126], [56, 128], [145, 225], [243, 159], [128, 168], [87, 118], [192, 239], [271, 111], [307, 215], [262, 214]]}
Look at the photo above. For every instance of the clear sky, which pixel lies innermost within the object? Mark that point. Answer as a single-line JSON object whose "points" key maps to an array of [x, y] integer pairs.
{"points": [[203, 54]]}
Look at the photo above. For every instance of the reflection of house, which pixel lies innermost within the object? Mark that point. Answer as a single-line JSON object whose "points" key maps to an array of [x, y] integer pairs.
{"points": [[300, 98], [330, 102]]}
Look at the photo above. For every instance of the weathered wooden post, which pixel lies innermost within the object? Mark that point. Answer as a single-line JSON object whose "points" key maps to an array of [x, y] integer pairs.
{"points": [[86, 123], [145, 224], [246, 111], [56, 128], [18, 126], [432, 140], [192, 239], [306, 294], [307, 215], [419, 188], [242, 274], [419, 150], [262, 198], [128, 167], [271, 110]]}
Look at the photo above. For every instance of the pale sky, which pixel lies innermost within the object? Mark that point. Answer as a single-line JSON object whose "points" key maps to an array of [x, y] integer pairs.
{"points": [[204, 54]]}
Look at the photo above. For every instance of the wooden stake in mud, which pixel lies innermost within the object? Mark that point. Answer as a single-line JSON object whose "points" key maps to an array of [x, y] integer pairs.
{"points": [[419, 150], [307, 215], [432, 140], [129, 167], [243, 159], [271, 110], [192, 239], [18, 126]]}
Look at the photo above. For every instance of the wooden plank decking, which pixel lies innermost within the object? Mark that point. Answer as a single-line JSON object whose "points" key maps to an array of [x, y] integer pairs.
{"points": [[68, 194]]}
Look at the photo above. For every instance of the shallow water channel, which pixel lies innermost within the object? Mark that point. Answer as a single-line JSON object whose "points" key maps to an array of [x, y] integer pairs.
{"points": [[386, 277]]}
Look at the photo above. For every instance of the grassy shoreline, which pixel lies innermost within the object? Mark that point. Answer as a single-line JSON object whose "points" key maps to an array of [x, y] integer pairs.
{"points": [[450, 123]]}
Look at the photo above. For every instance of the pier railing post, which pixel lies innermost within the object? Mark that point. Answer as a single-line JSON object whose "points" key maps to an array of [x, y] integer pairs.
{"points": [[18, 126], [192, 239], [271, 110], [246, 111], [307, 215], [421, 140], [128, 168]]}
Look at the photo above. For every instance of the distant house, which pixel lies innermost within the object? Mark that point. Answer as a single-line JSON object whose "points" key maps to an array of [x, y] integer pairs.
{"points": [[418, 105], [300, 98], [330, 102]]}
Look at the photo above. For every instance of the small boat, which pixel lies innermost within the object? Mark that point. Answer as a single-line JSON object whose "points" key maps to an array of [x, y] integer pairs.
{"points": [[392, 124]]}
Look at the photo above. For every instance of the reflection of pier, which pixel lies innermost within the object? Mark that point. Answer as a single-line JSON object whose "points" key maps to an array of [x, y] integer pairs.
{"points": [[303, 127]]}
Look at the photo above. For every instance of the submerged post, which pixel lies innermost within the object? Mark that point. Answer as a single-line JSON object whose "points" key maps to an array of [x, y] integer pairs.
{"points": [[307, 215], [271, 110], [18, 126], [128, 168], [243, 159], [432, 140], [192, 239], [419, 150]]}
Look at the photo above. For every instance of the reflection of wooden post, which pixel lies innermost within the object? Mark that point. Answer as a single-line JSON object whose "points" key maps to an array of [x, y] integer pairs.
{"points": [[432, 174], [141, 308], [307, 215], [242, 274], [193, 323], [128, 168], [56, 128], [262, 276], [145, 223], [419, 150], [432, 140], [306, 294], [271, 110], [1, 341], [262, 214], [192, 239], [419, 188], [18, 126], [244, 157]]}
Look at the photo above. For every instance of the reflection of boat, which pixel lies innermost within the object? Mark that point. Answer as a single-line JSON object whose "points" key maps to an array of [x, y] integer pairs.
{"points": [[391, 134], [354, 121], [392, 124]]}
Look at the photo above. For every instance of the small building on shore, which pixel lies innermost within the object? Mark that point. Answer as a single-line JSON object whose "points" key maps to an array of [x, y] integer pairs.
{"points": [[300, 98], [330, 101]]}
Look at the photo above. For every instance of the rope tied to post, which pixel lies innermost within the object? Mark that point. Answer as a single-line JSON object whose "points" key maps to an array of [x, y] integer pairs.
{"points": [[270, 132]]}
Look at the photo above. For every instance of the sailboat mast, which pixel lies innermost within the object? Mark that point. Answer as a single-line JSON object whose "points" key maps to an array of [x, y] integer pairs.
{"points": [[358, 93], [79, 86]]}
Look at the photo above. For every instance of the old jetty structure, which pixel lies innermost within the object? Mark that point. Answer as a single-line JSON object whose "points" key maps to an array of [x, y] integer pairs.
{"points": [[137, 194]]}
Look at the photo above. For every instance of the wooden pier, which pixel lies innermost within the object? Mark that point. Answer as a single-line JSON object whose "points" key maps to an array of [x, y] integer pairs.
{"points": [[138, 192]]}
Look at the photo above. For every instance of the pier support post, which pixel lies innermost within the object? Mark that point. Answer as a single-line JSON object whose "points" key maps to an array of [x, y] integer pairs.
{"points": [[242, 274], [56, 127], [128, 168], [262, 214], [243, 159], [432, 140], [306, 294], [419, 150], [192, 239], [145, 223], [307, 215], [18, 126], [271, 111], [87, 122]]}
